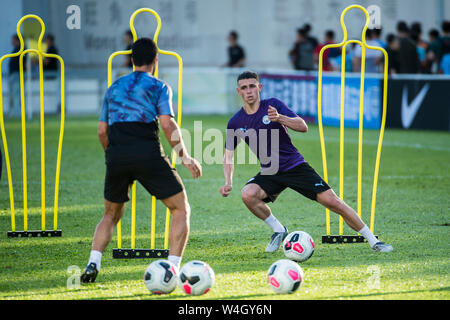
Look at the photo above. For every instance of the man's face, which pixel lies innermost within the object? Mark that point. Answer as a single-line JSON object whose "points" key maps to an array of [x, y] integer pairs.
{"points": [[126, 39], [231, 39], [249, 90], [14, 42]]}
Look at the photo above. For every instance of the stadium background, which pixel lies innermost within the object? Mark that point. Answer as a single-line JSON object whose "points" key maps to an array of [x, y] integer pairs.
{"points": [[197, 30]]}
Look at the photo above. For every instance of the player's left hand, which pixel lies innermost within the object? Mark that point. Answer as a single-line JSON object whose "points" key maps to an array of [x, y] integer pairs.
{"points": [[273, 114], [193, 166]]}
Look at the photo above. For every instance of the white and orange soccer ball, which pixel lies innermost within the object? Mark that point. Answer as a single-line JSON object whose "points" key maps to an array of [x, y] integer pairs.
{"points": [[161, 277], [298, 246], [196, 278], [285, 276]]}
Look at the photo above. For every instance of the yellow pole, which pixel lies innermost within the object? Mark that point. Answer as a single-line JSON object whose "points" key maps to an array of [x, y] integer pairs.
{"points": [[380, 139], [179, 114], [40, 54], [180, 99], [4, 141], [61, 136], [341, 136], [361, 117], [24, 144], [180, 77], [152, 226], [360, 131], [322, 141], [42, 128], [133, 216], [111, 57]]}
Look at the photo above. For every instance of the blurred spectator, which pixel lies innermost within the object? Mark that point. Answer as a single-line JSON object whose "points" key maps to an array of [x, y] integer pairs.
{"points": [[302, 54], [376, 36], [422, 45], [50, 64], [307, 28], [445, 41], [236, 54], [416, 31], [408, 57], [393, 47], [329, 53], [13, 78], [434, 51], [127, 39], [14, 62], [374, 58], [349, 54], [420, 52]]}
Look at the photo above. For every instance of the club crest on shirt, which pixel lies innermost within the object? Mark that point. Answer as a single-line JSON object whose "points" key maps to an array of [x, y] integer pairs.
{"points": [[266, 119]]}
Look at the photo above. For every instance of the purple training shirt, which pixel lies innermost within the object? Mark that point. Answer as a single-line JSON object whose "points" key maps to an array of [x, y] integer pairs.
{"points": [[270, 141]]}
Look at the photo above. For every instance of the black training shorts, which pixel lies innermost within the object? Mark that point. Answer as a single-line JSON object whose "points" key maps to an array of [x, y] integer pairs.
{"points": [[156, 175], [302, 178]]}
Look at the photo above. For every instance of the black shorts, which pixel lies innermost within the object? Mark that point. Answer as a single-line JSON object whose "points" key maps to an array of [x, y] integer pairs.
{"points": [[156, 175], [302, 178]]}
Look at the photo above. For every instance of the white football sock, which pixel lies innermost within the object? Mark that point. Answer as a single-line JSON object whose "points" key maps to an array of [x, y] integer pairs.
{"points": [[175, 260], [274, 224], [368, 235], [96, 257]]}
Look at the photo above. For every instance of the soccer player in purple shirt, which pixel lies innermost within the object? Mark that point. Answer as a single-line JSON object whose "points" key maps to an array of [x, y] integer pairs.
{"points": [[263, 125]]}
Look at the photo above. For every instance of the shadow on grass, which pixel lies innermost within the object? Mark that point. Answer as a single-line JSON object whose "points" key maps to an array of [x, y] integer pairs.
{"points": [[176, 296], [227, 252], [378, 294]]}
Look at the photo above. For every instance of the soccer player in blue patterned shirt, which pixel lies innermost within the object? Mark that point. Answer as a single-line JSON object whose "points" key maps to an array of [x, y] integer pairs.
{"points": [[128, 131]]}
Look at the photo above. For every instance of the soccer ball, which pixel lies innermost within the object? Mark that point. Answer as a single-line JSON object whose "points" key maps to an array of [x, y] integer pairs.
{"points": [[196, 278], [285, 276], [161, 277], [298, 246]]}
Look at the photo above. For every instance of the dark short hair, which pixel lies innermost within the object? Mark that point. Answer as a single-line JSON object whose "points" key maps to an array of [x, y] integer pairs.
{"points": [[234, 34], [402, 26], [248, 75], [416, 27], [446, 26], [329, 34], [129, 33], [390, 38], [50, 37], [143, 52], [306, 27], [303, 32], [377, 31], [434, 33]]}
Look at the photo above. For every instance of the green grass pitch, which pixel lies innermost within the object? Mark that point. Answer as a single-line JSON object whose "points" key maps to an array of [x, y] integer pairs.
{"points": [[412, 214]]}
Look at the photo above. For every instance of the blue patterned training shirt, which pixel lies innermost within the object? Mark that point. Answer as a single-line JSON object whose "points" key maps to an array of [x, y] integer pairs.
{"points": [[131, 108]]}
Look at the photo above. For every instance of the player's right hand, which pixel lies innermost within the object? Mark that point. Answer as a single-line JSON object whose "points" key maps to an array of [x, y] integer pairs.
{"points": [[225, 190], [193, 166]]}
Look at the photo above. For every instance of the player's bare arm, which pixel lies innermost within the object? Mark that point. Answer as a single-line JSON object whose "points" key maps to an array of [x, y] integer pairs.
{"points": [[103, 134], [173, 135], [228, 169], [296, 123]]}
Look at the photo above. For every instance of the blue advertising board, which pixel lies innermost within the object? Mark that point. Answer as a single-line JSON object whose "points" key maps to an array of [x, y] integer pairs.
{"points": [[299, 92]]}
